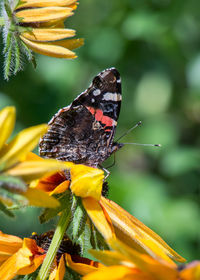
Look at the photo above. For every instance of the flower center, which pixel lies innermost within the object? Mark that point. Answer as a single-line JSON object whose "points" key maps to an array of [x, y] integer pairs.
{"points": [[66, 246]]}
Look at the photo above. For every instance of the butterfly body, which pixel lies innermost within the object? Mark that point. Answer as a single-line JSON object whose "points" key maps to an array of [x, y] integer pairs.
{"points": [[83, 132]]}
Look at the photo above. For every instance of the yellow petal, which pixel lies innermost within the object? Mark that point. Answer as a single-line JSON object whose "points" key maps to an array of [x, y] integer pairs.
{"points": [[40, 199], [115, 273], [7, 122], [31, 170], [33, 265], [110, 257], [135, 234], [54, 183], [9, 244], [61, 188], [191, 272], [45, 3], [99, 217], [46, 34], [29, 257], [23, 143], [61, 269], [20, 259], [86, 181], [70, 44], [4, 256], [43, 14], [8, 269], [81, 267], [49, 49], [32, 156], [53, 24], [156, 269]]}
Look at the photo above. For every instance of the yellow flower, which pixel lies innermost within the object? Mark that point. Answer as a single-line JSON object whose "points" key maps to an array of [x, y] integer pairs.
{"points": [[110, 219], [46, 19], [127, 263], [17, 161], [86, 182], [22, 257], [136, 235], [37, 25]]}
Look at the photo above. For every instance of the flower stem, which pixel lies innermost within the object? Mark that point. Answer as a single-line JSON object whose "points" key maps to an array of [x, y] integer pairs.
{"points": [[55, 244], [2, 21]]}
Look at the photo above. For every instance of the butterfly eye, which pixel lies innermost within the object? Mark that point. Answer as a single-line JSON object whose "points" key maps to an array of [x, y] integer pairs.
{"points": [[97, 82]]}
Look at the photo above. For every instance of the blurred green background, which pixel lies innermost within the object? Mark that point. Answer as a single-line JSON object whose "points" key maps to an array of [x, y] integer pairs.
{"points": [[155, 45]]}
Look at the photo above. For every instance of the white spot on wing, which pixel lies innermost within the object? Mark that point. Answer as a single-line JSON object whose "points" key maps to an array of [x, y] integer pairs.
{"points": [[96, 92], [109, 96]]}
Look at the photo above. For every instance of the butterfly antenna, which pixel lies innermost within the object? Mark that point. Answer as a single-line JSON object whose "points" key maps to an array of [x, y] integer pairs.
{"points": [[139, 144], [128, 131]]}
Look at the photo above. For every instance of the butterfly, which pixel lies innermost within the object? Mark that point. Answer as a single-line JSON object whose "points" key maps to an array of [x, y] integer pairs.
{"points": [[83, 132]]}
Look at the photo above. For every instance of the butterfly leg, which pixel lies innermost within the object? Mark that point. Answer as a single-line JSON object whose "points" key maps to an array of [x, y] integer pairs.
{"points": [[106, 171]]}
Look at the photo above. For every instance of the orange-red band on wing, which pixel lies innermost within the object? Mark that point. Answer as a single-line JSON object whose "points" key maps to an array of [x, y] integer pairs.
{"points": [[98, 114]]}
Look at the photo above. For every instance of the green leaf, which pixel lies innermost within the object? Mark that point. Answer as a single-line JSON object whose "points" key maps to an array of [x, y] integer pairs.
{"points": [[71, 274], [12, 184], [8, 8], [19, 2], [4, 209], [12, 198], [96, 239], [102, 245], [11, 190], [34, 62], [2, 22], [27, 51], [84, 239], [93, 236], [79, 219], [8, 41], [17, 56], [7, 62], [50, 213], [8, 57]]}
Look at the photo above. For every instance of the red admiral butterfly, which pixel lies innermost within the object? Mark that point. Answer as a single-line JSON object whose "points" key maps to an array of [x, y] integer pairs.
{"points": [[83, 132]]}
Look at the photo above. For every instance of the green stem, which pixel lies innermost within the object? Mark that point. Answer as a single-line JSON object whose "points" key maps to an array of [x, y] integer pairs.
{"points": [[2, 22], [55, 244]]}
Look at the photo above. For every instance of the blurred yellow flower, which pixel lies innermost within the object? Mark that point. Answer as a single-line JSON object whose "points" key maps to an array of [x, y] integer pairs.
{"points": [[24, 142], [16, 160], [48, 34], [22, 257], [127, 263], [36, 25]]}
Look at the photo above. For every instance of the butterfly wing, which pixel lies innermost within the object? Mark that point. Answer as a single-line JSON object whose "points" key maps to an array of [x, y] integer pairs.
{"points": [[83, 132]]}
